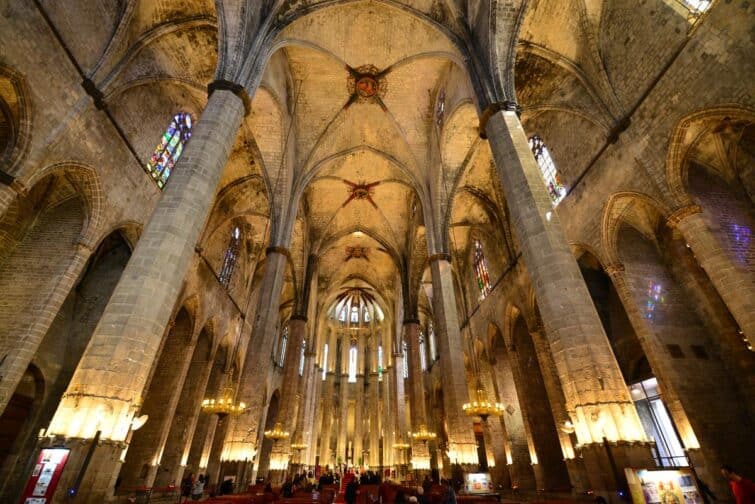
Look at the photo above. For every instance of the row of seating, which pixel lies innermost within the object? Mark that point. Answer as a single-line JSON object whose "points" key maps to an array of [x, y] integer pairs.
{"points": [[368, 494]]}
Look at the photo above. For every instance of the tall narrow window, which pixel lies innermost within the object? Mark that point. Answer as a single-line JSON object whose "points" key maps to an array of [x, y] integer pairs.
{"points": [[481, 270], [354, 315], [324, 361], [405, 350], [548, 169], [302, 351], [353, 364], [231, 256], [433, 343], [422, 350], [657, 423], [169, 149], [380, 363], [284, 343]]}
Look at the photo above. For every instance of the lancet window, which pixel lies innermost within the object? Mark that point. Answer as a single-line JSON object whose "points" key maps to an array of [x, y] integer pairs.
{"points": [[284, 343], [231, 257], [171, 145], [353, 364], [548, 169], [481, 270]]}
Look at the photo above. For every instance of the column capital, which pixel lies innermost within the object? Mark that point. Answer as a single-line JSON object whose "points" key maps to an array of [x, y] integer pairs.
{"points": [[233, 87], [440, 256], [614, 269], [506, 105], [682, 213]]}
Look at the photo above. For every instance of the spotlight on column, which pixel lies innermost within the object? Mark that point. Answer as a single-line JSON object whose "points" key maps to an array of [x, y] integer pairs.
{"points": [[138, 422]]}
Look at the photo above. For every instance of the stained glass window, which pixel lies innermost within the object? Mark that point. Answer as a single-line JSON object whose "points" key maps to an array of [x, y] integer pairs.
{"points": [[548, 169], [440, 107], [380, 363], [231, 255], [354, 315], [481, 270], [324, 361], [302, 350], [433, 343], [169, 149], [405, 349], [284, 343], [422, 350], [353, 364]]}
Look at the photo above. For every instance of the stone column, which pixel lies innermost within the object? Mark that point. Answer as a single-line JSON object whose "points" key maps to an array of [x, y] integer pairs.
{"points": [[291, 396], [733, 281], [672, 383], [106, 390], [374, 407], [359, 420], [596, 395], [388, 423], [181, 430], [245, 430], [462, 448], [556, 401], [420, 456], [18, 358], [343, 400], [327, 421], [514, 421]]}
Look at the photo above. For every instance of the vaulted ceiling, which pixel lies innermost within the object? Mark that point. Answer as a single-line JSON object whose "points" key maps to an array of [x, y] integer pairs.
{"points": [[365, 122]]}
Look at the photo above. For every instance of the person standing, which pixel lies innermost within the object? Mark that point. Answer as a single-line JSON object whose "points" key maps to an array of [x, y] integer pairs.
{"points": [[351, 491], [742, 488], [187, 484], [198, 490]]}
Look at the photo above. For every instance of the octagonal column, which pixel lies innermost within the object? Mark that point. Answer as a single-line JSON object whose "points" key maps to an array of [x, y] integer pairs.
{"points": [[244, 430], [733, 281], [462, 447], [420, 456], [106, 390], [594, 389], [291, 398]]}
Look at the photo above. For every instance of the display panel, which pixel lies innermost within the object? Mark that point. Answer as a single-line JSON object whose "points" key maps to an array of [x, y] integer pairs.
{"points": [[45, 476], [649, 486]]}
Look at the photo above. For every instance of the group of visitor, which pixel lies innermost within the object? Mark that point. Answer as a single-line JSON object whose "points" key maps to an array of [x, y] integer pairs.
{"points": [[192, 487]]}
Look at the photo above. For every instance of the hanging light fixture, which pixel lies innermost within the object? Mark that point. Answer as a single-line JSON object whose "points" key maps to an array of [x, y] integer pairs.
{"points": [[277, 432], [481, 406], [224, 404], [298, 446], [423, 434], [400, 445]]}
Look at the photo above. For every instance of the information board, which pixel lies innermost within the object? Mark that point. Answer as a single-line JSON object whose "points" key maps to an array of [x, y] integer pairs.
{"points": [[663, 486], [478, 483], [44, 477]]}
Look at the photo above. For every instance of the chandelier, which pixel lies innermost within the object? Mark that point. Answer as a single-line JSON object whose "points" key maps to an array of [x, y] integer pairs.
{"points": [[400, 445], [298, 446], [481, 406], [277, 432], [423, 434], [224, 405]]}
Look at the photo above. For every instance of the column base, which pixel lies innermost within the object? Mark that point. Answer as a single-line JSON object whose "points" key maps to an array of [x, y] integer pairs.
{"points": [[577, 475], [98, 481], [604, 464]]}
